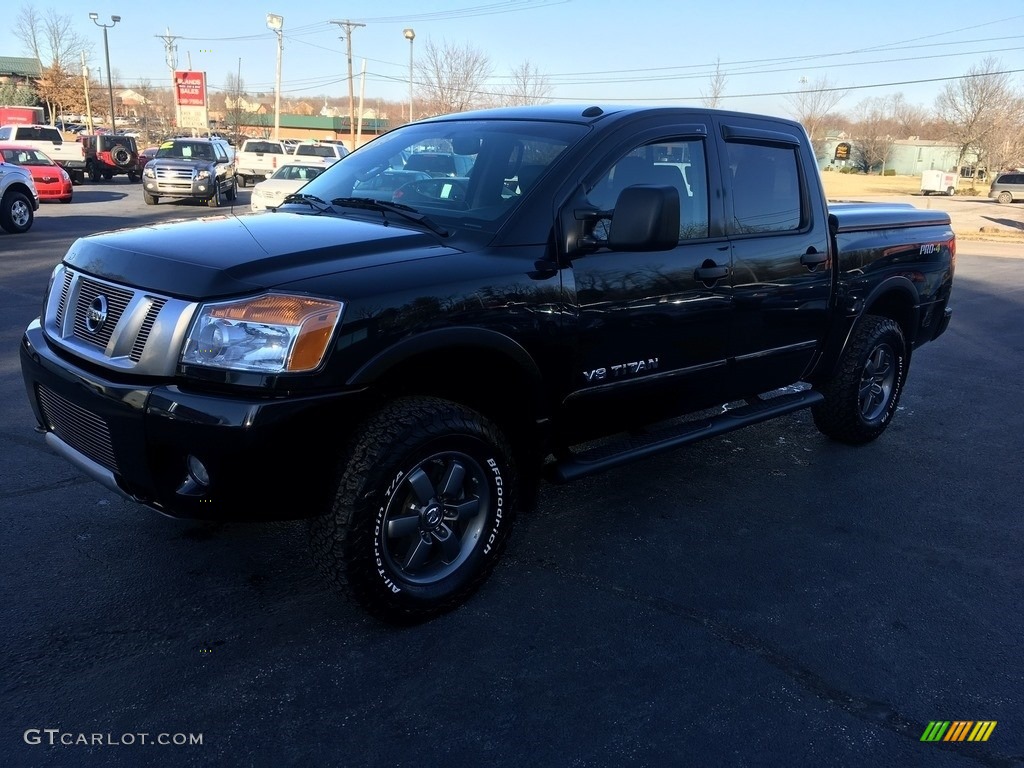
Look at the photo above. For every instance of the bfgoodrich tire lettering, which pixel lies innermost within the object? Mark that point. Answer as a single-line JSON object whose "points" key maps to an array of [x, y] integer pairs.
{"points": [[862, 396], [422, 510]]}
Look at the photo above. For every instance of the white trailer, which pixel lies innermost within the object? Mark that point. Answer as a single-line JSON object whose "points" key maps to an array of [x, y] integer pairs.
{"points": [[941, 182]]}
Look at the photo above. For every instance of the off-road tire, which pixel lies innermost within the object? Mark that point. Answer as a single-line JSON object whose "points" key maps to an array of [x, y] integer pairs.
{"points": [[423, 507], [862, 397], [16, 214]]}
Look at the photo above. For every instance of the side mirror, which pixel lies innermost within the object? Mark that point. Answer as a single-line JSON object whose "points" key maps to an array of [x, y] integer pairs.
{"points": [[646, 218]]}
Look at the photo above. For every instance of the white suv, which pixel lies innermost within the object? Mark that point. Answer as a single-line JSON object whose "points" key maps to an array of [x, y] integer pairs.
{"points": [[19, 199], [325, 152]]}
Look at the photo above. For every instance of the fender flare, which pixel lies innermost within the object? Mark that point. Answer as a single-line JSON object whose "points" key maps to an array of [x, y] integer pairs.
{"points": [[847, 317], [446, 338]]}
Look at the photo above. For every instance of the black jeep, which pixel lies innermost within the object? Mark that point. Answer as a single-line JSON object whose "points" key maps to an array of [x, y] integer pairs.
{"points": [[107, 155]]}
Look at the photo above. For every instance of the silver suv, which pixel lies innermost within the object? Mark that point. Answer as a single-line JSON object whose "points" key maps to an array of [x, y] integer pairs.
{"points": [[1007, 187], [201, 169]]}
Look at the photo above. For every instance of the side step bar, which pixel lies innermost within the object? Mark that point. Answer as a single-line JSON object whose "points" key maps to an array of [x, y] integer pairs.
{"points": [[629, 449]]}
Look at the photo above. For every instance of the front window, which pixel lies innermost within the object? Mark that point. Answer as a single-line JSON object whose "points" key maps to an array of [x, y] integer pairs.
{"points": [[457, 172]]}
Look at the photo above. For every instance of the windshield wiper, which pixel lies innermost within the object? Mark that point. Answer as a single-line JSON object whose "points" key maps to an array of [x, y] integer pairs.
{"points": [[404, 211], [312, 201]]}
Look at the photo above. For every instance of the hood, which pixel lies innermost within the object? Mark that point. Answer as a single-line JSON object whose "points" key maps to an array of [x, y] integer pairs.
{"points": [[227, 255]]}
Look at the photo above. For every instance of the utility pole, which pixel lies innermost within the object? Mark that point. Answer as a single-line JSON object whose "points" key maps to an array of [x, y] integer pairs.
{"points": [[85, 80], [348, 26], [171, 57]]}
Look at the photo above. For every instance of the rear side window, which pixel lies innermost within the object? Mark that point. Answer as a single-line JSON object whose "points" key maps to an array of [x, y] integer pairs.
{"points": [[765, 185], [1010, 178]]}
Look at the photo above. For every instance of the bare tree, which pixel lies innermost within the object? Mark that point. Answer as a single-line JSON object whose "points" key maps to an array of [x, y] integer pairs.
{"points": [[813, 104], [528, 86], [234, 92], [51, 39], [909, 119], [452, 78], [875, 132], [716, 84], [977, 110]]}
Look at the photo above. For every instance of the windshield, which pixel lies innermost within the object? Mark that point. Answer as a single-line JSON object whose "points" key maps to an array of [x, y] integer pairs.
{"points": [[25, 156], [467, 173]]}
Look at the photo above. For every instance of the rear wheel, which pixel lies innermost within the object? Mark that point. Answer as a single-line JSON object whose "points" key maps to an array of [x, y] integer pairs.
{"points": [[94, 173], [232, 193], [862, 396], [950, 191], [242, 180], [422, 511]]}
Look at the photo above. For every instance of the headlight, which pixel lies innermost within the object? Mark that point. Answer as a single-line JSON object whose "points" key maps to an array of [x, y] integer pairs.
{"points": [[273, 333], [149, 172], [203, 175]]}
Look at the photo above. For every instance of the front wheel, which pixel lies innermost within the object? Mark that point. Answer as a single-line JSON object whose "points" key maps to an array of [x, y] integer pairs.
{"points": [[16, 214], [422, 511], [214, 199], [1005, 198], [861, 397], [150, 199]]}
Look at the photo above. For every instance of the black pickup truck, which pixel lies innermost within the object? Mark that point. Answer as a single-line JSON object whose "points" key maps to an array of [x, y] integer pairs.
{"points": [[597, 285]]}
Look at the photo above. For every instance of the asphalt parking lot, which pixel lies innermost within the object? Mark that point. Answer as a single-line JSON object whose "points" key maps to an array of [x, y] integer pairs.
{"points": [[768, 598]]}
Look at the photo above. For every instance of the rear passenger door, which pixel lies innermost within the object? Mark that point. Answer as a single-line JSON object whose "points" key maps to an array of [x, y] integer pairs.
{"points": [[781, 275]]}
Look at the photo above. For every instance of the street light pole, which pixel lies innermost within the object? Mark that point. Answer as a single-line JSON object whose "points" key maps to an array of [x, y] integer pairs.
{"points": [[410, 35], [276, 23], [106, 51]]}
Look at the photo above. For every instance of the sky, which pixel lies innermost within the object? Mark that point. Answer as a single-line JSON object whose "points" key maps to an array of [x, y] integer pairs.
{"points": [[590, 51]]}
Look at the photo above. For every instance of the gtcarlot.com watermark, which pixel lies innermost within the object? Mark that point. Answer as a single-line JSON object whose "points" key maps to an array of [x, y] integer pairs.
{"points": [[54, 737]]}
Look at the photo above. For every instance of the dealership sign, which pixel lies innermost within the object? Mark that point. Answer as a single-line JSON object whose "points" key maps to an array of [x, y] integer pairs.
{"points": [[190, 96]]}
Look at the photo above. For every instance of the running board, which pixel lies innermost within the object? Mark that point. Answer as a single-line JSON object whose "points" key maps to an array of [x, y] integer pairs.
{"points": [[635, 447]]}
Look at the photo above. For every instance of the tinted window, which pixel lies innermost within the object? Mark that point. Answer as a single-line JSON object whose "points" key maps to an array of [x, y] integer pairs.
{"points": [[263, 147], [765, 188]]}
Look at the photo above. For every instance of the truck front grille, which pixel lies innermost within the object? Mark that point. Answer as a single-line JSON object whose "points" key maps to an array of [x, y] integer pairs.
{"points": [[115, 326], [116, 301], [145, 329], [84, 431], [174, 174]]}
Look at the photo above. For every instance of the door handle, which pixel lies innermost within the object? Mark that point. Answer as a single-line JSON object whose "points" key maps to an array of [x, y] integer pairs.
{"points": [[710, 274], [813, 259]]}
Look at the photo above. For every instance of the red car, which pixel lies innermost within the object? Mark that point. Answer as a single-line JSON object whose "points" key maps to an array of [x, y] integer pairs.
{"points": [[52, 181], [145, 155]]}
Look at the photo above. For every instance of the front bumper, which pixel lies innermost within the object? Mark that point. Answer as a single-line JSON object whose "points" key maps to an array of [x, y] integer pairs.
{"points": [[200, 189], [264, 456]]}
